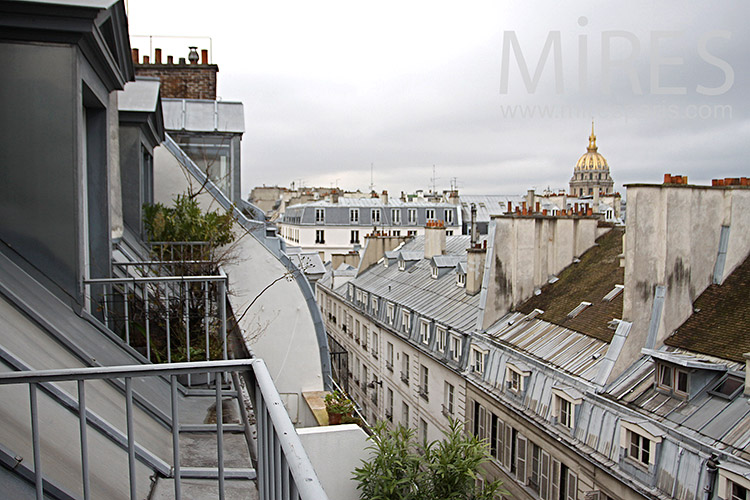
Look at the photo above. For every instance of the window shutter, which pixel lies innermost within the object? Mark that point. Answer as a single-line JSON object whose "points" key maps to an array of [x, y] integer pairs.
{"points": [[544, 477], [508, 445], [521, 459], [572, 484], [482, 422], [554, 489], [499, 444]]}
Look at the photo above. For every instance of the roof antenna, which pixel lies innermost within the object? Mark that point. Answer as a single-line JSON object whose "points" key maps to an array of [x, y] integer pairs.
{"points": [[372, 184]]}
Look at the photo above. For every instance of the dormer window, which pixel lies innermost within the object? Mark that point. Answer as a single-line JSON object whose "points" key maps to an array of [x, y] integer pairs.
{"points": [[424, 332], [434, 272], [461, 280], [405, 321], [672, 379], [639, 442], [477, 360], [564, 402], [515, 376], [455, 347], [389, 312], [401, 265]]}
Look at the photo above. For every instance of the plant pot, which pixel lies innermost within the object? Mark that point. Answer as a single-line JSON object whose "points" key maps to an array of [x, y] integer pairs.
{"points": [[334, 418]]}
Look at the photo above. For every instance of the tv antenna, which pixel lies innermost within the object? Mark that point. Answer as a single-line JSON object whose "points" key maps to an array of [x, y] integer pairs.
{"points": [[372, 184]]}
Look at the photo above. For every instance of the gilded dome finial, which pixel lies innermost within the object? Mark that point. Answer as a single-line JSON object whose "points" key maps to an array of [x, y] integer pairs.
{"points": [[592, 138]]}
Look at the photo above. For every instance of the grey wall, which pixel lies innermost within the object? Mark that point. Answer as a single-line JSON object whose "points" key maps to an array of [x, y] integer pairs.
{"points": [[131, 154], [38, 141]]}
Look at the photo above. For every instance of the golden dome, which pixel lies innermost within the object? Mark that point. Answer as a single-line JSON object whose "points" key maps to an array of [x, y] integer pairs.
{"points": [[591, 159]]}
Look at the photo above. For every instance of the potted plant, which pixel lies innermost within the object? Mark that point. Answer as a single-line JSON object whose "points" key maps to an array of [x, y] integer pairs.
{"points": [[337, 405]]}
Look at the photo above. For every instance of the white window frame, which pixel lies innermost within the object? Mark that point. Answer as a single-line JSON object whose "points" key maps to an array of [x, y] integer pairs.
{"points": [[320, 215], [629, 430], [375, 351], [405, 321], [375, 215], [449, 216], [320, 236], [396, 216], [354, 237], [515, 377], [354, 215], [424, 381], [424, 331], [389, 356], [442, 334], [477, 359], [374, 302], [561, 400], [412, 216], [456, 347], [461, 280], [429, 214], [449, 405], [390, 312]]}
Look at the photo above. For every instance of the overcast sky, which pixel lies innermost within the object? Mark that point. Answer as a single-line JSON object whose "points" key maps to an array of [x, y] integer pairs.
{"points": [[331, 88]]}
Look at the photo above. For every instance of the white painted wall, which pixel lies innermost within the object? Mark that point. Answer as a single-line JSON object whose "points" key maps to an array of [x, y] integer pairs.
{"points": [[335, 451]]}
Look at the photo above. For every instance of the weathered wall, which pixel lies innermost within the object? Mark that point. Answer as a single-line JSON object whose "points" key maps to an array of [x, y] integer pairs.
{"points": [[526, 251], [673, 241]]}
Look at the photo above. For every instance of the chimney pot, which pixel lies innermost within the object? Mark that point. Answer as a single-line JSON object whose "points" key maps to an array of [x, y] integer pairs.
{"points": [[743, 181], [590, 211], [134, 55], [510, 208], [193, 55], [537, 207], [667, 178], [145, 59], [544, 212], [170, 59], [157, 56], [204, 56], [182, 61]]}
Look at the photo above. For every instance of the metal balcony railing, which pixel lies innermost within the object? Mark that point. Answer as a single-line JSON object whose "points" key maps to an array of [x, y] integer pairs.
{"points": [[166, 318], [282, 468]]}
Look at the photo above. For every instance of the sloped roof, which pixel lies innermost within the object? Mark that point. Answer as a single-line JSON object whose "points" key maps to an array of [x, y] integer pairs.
{"points": [[589, 280], [721, 324]]}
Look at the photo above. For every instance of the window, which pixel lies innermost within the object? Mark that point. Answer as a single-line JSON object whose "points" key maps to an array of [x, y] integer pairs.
{"points": [[389, 356], [424, 332], [477, 360], [423, 430], [424, 374], [354, 215], [449, 232], [411, 233], [737, 492], [565, 415], [728, 387], [461, 280], [478, 416], [375, 215], [639, 449], [356, 332], [356, 370], [365, 338], [412, 216], [405, 414], [365, 377], [320, 215], [665, 376], [320, 236], [405, 368], [449, 404], [435, 272], [354, 236], [672, 379], [536, 453], [515, 373], [405, 321], [389, 405], [514, 381], [396, 216], [389, 312], [430, 214], [455, 347], [374, 306], [375, 345], [441, 336], [449, 216]]}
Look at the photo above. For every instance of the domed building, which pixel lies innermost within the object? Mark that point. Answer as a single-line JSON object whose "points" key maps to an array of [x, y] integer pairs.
{"points": [[591, 172]]}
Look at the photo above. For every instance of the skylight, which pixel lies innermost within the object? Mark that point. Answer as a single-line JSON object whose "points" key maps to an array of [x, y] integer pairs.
{"points": [[617, 290]]}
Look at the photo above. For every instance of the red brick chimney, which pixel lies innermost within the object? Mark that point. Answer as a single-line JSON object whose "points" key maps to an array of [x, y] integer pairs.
{"points": [[195, 79]]}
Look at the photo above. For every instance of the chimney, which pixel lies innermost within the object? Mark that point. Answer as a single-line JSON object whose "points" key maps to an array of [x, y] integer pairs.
{"points": [[193, 55], [596, 198], [385, 197], [530, 199], [157, 56], [475, 269], [510, 208], [434, 238], [747, 373], [145, 59], [170, 59], [473, 225], [335, 196], [134, 53], [204, 56], [564, 202]]}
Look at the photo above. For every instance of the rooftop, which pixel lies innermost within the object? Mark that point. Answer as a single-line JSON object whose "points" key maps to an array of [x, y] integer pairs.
{"points": [[588, 281], [720, 322]]}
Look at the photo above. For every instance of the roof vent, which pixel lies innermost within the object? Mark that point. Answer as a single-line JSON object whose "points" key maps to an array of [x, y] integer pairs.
{"points": [[580, 307], [193, 56]]}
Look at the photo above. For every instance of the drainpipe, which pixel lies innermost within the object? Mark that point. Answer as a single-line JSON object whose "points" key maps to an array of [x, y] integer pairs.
{"points": [[711, 468]]}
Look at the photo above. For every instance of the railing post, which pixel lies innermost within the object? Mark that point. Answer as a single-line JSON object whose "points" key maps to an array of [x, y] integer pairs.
{"points": [[169, 331], [82, 421], [220, 437], [223, 313], [38, 477], [187, 325], [147, 320], [127, 314], [176, 438], [131, 437]]}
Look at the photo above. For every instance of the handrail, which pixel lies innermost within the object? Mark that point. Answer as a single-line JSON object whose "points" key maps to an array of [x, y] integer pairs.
{"points": [[284, 469]]}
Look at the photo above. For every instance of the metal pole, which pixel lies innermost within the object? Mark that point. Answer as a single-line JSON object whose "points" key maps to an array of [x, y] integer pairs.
{"points": [[176, 439], [131, 437], [82, 420], [106, 304], [127, 316], [187, 326], [223, 314], [148, 325], [35, 442], [220, 438], [169, 331]]}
